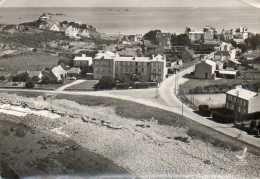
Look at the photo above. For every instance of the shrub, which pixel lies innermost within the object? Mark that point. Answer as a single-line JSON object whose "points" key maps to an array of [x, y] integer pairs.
{"points": [[29, 84], [105, 82], [35, 79], [22, 77], [2, 78], [253, 126], [204, 110], [222, 115]]}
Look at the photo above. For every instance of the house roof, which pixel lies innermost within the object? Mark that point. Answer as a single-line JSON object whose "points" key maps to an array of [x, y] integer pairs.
{"points": [[105, 55], [196, 32], [242, 93], [227, 72], [210, 62], [235, 61], [222, 53], [34, 73], [58, 70], [74, 70], [82, 58]]}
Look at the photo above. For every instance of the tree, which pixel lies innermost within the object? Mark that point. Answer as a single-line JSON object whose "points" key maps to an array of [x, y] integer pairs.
{"points": [[35, 79], [181, 39], [29, 84], [106, 82], [22, 77], [253, 125], [253, 42], [151, 36], [258, 129], [2, 78]]}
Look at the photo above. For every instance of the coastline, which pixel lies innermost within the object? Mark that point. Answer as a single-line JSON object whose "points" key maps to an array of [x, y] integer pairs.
{"points": [[131, 20]]}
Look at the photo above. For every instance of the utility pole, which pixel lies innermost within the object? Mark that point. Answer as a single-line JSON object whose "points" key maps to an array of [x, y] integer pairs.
{"points": [[182, 109]]}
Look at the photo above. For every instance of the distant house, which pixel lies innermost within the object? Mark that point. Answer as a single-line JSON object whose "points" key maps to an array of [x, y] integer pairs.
{"points": [[196, 36], [32, 74], [225, 47], [205, 70], [44, 17], [59, 73], [242, 101], [82, 61], [35, 74], [85, 33], [227, 34], [72, 32], [74, 72], [227, 74], [221, 55], [209, 33], [54, 27], [103, 64], [164, 40]]}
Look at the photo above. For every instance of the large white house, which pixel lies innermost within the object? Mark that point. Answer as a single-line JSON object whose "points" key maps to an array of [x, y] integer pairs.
{"points": [[124, 68], [243, 101], [82, 61], [59, 73]]}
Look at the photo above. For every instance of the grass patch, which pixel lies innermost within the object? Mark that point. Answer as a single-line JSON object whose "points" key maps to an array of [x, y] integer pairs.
{"points": [[196, 86], [85, 86], [31, 39], [129, 109], [32, 61]]}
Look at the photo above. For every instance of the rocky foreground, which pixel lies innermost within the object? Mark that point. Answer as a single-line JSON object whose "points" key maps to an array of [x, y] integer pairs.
{"points": [[87, 140]]}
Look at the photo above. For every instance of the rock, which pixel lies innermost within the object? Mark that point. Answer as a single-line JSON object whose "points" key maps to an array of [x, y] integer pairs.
{"points": [[85, 119], [207, 162], [182, 139], [20, 132]]}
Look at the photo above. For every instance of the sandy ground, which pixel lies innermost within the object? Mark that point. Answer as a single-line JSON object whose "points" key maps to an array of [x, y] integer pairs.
{"points": [[212, 100], [140, 147]]}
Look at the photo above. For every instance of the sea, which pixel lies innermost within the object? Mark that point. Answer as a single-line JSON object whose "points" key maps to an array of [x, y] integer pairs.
{"points": [[141, 20]]}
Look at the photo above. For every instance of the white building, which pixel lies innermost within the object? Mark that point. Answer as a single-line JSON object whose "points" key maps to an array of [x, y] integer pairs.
{"points": [[72, 32], [209, 33], [54, 27], [59, 73], [196, 36], [243, 101], [82, 61], [124, 68]]}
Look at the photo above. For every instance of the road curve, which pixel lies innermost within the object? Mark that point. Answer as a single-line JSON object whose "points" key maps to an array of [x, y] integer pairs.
{"points": [[171, 103]]}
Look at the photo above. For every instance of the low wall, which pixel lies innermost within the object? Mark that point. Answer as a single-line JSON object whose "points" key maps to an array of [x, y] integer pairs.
{"points": [[208, 134]]}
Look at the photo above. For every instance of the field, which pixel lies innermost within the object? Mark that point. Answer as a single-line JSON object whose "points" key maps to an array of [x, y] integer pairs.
{"points": [[31, 61], [85, 86], [127, 109], [212, 100], [33, 39], [192, 84]]}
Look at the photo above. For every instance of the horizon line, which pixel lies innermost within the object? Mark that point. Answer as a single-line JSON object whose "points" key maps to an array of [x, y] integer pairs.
{"points": [[194, 7]]}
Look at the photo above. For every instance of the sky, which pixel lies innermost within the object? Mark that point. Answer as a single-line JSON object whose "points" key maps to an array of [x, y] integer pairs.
{"points": [[125, 3]]}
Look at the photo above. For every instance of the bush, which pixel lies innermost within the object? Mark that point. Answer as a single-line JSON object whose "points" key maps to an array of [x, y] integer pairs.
{"points": [[2, 78], [222, 116], [35, 79], [252, 127], [204, 110], [29, 84], [22, 77], [105, 82]]}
